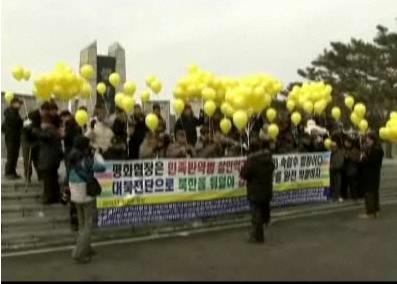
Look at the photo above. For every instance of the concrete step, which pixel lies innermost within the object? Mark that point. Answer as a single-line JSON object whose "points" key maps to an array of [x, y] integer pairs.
{"points": [[48, 237], [29, 210], [18, 197]]}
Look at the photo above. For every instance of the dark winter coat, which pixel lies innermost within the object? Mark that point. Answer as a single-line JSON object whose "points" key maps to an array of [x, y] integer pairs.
{"points": [[370, 169], [137, 137], [189, 124], [30, 132], [50, 154], [337, 160], [258, 172], [12, 125], [352, 159], [72, 130]]}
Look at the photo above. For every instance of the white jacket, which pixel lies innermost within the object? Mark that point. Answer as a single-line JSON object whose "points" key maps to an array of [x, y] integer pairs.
{"points": [[101, 136]]}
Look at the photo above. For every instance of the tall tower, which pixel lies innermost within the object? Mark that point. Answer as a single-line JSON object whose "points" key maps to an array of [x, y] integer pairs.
{"points": [[103, 65]]}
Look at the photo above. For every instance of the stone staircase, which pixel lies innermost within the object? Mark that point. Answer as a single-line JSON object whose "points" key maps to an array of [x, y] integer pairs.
{"points": [[27, 224]]}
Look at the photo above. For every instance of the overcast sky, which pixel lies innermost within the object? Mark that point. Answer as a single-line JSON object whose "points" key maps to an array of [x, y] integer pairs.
{"points": [[161, 37]]}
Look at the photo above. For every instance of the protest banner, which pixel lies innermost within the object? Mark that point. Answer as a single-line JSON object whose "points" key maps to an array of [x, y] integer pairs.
{"points": [[166, 190]]}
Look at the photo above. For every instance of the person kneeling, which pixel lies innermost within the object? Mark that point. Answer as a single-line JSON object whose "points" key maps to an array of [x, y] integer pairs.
{"points": [[258, 172]]}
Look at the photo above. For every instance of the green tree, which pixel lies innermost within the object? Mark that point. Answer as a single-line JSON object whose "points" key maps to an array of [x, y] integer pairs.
{"points": [[366, 70]]}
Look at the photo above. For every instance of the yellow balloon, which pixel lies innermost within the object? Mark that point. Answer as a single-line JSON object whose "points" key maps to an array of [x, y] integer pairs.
{"points": [[308, 107], [118, 99], [178, 92], [227, 109], [8, 96], [290, 105], [86, 91], [209, 108], [363, 125], [81, 117], [156, 86], [208, 94], [240, 119], [239, 101], [271, 114], [127, 103], [152, 121], [354, 118], [320, 106], [349, 102], [336, 113], [393, 114], [360, 110], [17, 72], [87, 71], [328, 143], [26, 74], [384, 133], [101, 88], [273, 131], [145, 96], [114, 79], [296, 118], [179, 106], [150, 79], [129, 88], [393, 134], [225, 125]]}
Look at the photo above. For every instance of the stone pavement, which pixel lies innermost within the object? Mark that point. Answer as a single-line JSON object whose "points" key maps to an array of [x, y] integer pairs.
{"points": [[333, 247]]}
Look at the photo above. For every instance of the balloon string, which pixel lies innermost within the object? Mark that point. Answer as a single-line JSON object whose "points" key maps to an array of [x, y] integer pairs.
{"points": [[128, 138], [241, 144], [183, 127]]}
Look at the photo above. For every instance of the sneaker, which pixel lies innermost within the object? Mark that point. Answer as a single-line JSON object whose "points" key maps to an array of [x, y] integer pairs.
{"points": [[340, 199], [83, 260], [366, 216]]}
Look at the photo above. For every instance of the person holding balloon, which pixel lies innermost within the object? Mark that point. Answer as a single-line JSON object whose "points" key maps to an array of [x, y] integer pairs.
{"points": [[189, 123], [99, 132], [12, 128], [138, 134]]}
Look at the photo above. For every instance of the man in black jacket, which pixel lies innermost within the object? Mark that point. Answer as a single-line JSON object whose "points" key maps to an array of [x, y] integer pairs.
{"points": [[258, 172], [139, 131], [372, 158], [12, 127], [189, 123]]}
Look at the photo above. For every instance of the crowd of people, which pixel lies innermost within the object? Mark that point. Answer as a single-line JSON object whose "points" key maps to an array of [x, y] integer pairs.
{"points": [[49, 136]]}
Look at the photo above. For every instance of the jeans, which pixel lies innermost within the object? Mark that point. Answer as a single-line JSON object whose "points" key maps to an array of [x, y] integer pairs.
{"points": [[85, 214]]}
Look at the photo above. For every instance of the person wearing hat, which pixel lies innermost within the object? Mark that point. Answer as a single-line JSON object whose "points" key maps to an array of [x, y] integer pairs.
{"points": [[12, 128]]}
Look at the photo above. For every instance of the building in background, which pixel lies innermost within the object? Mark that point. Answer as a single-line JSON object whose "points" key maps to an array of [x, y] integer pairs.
{"points": [[104, 65]]}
